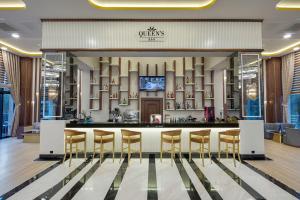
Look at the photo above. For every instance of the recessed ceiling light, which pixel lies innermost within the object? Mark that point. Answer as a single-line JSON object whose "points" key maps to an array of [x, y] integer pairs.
{"points": [[287, 35], [4, 48], [296, 48], [15, 35]]}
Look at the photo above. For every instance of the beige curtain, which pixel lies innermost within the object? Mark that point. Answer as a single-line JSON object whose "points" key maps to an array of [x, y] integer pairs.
{"points": [[12, 67], [288, 63]]}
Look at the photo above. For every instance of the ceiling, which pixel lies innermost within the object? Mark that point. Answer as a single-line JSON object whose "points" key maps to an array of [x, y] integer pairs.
{"points": [[27, 22]]}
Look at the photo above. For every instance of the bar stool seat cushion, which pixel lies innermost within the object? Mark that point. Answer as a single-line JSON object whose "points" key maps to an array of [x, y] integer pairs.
{"points": [[131, 139], [169, 139], [199, 139], [229, 140], [104, 140], [75, 139]]}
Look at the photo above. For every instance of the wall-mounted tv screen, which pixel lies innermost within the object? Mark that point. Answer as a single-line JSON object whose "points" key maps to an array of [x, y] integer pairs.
{"points": [[152, 83]]}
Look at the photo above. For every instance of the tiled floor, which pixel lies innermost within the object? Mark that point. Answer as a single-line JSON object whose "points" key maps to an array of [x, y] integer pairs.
{"points": [[150, 179]]}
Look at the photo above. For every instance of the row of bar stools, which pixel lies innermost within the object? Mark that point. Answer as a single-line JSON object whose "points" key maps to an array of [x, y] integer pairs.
{"points": [[230, 137], [74, 137], [202, 138], [172, 138]]}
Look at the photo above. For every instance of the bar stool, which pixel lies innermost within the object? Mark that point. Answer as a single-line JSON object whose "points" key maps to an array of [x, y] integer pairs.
{"points": [[230, 137], [172, 138], [202, 138], [103, 137], [131, 137], [74, 137]]}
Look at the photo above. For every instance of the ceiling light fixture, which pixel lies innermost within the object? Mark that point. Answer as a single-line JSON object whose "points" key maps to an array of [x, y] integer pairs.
{"points": [[21, 51], [287, 35], [280, 51], [15, 5], [296, 48], [152, 5], [15, 35], [288, 5]]}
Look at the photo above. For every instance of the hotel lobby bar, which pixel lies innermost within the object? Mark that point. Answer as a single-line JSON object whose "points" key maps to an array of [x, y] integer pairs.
{"points": [[127, 100]]}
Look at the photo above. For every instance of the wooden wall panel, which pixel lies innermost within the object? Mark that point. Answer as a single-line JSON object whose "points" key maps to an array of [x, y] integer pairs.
{"points": [[273, 90], [26, 72]]}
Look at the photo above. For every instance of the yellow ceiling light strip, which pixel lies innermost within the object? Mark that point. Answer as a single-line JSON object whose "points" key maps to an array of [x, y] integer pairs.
{"points": [[12, 5], [288, 5], [20, 51], [151, 5], [280, 51]]}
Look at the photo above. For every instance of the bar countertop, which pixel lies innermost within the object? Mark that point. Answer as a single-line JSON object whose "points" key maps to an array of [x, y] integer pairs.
{"points": [[148, 125]]}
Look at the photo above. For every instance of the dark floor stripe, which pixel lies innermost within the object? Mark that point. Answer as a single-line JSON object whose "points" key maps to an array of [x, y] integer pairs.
{"points": [[73, 191], [29, 181], [239, 181], [152, 182], [52, 191], [213, 193], [114, 187], [273, 180], [189, 186]]}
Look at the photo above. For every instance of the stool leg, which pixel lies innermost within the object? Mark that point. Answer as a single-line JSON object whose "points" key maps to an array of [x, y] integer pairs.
{"points": [[65, 152], [233, 149], [180, 156], [121, 152], [141, 151], [129, 152], [172, 154], [114, 150], [71, 152], [227, 150], [202, 151], [161, 149], [76, 146], [190, 151], [85, 149], [94, 151], [209, 153], [219, 149], [238, 149], [101, 158]]}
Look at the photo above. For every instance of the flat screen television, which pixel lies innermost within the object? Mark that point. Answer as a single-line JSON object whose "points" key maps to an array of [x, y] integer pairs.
{"points": [[152, 83]]}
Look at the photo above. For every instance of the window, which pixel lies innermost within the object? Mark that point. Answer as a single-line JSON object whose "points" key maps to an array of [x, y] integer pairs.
{"points": [[294, 99]]}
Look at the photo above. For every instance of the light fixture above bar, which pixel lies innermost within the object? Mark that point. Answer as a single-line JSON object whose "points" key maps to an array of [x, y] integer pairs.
{"points": [[280, 51], [12, 5], [288, 5], [20, 51], [152, 4]]}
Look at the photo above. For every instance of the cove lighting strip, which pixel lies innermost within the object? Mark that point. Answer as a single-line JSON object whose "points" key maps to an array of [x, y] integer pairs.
{"points": [[21, 51], [288, 5], [280, 51], [151, 5], [16, 5]]}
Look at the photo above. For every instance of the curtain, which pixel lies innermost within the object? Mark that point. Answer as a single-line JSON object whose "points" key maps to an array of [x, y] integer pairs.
{"points": [[12, 67], [288, 62]]}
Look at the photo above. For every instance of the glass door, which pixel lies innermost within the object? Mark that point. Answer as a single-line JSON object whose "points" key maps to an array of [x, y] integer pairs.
{"points": [[6, 113]]}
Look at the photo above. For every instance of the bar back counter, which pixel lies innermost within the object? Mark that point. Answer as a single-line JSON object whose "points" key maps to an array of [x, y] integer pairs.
{"points": [[251, 135]]}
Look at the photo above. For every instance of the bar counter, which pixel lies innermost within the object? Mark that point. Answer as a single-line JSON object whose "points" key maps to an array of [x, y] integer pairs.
{"points": [[52, 134], [148, 125]]}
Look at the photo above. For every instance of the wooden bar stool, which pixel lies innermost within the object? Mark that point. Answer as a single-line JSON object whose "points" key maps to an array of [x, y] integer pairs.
{"points": [[74, 137], [172, 138], [103, 137], [202, 138], [230, 137], [131, 137]]}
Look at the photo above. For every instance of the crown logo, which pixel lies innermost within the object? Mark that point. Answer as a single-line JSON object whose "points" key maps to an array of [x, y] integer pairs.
{"points": [[151, 28]]}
